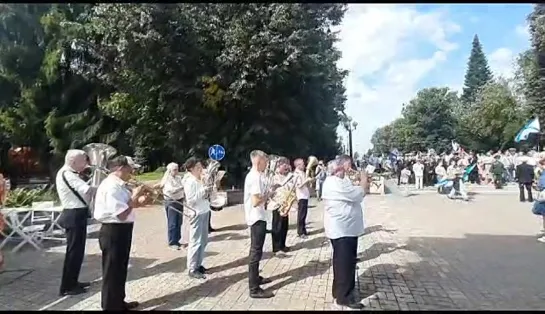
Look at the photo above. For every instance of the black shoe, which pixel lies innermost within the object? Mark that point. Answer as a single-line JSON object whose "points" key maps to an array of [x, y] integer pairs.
{"points": [[131, 305], [286, 249], [75, 291], [261, 294], [210, 230], [352, 305], [202, 269], [84, 284], [196, 275], [264, 281]]}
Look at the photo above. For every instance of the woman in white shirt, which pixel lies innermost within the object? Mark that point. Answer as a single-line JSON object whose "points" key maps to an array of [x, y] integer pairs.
{"points": [[173, 190], [196, 198]]}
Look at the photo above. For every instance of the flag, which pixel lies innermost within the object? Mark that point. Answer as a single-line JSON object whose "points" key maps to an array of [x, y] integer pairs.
{"points": [[531, 127], [468, 171], [394, 155]]}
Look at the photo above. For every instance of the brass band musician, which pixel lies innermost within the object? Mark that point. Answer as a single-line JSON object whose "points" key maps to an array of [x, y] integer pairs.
{"points": [[280, 221], [302, 191]]}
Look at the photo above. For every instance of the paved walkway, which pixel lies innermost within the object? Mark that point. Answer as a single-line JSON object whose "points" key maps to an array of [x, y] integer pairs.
{"points": [[420, 252]]}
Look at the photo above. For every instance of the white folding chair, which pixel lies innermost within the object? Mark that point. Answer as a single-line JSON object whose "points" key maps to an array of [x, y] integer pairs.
{"points": [[18, 229]]}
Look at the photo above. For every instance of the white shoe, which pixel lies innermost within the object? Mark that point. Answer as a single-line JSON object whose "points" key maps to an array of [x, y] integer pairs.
{"points": [[541, 233], [542, 239]]}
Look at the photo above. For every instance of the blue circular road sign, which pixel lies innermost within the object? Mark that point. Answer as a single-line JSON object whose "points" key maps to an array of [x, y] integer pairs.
{"points": [[216, 152]]}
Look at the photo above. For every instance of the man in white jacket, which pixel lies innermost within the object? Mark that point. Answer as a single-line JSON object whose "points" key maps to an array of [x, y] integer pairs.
{"points": [[196, 199], [343, 224]]}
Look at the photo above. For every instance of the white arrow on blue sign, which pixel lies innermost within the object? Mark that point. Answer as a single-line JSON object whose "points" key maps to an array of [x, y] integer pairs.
{"points": [[216, 152]]}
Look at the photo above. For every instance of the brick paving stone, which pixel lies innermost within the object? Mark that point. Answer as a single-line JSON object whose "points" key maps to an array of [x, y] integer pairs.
{"points": [[419, 253]]}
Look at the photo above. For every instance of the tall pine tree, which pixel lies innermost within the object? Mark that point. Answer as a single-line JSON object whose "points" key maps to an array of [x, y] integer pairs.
{"points": [[478, 73], [536, 97]]}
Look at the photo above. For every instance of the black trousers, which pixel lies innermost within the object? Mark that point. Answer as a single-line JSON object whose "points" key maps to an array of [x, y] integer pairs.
{"points": [[115, 243], [258, 232], [345, 251], [75, 251], [279, 231], [302, 217], [528, 187]]}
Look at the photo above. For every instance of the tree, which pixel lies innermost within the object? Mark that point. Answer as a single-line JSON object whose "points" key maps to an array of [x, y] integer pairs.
{"points": [[535, 84], [430, 116], [165, 81], [478, 72], [496, 117], [426, 122]]}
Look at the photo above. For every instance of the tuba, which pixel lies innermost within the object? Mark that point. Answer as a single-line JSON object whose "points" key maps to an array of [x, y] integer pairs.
{"points": [[270, 172], [98, 154], [211, 178]]}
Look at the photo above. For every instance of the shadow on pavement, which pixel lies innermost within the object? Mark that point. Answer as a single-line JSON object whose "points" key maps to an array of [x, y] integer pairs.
{"points": [[477, 272]]}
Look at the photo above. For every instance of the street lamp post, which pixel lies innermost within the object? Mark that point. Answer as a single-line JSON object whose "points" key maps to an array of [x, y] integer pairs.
{"points": [[350, 126]]}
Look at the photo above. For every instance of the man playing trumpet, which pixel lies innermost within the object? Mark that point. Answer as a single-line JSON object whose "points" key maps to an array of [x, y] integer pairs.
{"points": [[343, 224], [114, 204]]}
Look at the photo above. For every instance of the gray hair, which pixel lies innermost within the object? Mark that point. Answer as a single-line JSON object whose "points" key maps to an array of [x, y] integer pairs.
{"points": [[257, 153], [72, 155], [334, 166], [344, 159]]}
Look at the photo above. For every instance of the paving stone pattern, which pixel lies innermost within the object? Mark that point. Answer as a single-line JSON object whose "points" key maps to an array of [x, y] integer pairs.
{"points": [[419, 252]]}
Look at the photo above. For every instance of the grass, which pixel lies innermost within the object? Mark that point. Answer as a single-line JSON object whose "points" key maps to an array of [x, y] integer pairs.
{"points": [[149, 176]]}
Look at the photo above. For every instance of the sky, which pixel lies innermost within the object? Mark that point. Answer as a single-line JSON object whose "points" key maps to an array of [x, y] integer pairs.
{"points": [[392, 51]]}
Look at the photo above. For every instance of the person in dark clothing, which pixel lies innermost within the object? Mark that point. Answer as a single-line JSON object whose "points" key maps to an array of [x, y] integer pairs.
{"points": [[524, 174], [474, 174], [497, 171]]}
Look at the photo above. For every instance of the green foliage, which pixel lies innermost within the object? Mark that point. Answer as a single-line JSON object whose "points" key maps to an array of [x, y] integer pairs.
{"points": [[535, 63], [25, 197], [478, 73], [165, 81], [427, 121]]}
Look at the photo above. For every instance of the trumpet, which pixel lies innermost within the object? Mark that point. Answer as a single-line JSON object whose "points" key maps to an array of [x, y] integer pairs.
{"points": [[155, 193]]}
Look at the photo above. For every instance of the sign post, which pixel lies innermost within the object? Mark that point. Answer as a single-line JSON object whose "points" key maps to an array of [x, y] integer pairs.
{"points": [[216, 152]]}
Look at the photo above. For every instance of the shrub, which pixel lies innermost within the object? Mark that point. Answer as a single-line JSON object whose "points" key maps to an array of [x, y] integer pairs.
{"points": [[25, 197]]}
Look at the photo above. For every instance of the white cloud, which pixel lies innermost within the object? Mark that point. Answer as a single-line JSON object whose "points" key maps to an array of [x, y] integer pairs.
{"points": [[378, 44], [501, 62], [523, 32]]}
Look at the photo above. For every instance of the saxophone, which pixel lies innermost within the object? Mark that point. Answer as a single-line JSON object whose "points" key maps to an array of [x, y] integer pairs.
{"points": [[284, 197]]}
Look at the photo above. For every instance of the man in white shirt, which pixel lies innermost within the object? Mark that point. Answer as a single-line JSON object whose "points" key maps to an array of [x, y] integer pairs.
{"points": [[343, 224], [255, 198], [74, 195], [280, 224], [418, 169], [302, 192], [173, 190], [196, 199], [114, 204]]}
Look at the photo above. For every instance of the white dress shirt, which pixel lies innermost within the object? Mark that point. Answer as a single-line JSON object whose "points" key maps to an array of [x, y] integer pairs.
{"points": [[174, 187], [343, 208], [418, 169], [112, 199], [195, 193], [301, 191], [66, 196], [253, 185]]}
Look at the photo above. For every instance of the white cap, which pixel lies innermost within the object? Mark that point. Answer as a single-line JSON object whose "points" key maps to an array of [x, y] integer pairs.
{"points": [[131, 163]]}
